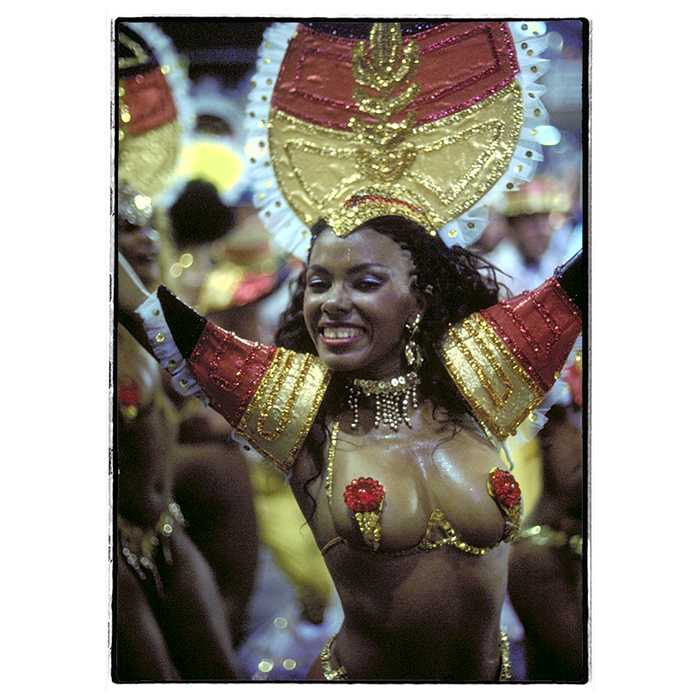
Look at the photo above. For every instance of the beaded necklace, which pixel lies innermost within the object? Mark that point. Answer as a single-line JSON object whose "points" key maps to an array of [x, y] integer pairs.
{"points": [[391, 399]]}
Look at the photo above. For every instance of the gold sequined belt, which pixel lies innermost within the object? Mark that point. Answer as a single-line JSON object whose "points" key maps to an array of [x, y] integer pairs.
{"points": [[340, 674]]}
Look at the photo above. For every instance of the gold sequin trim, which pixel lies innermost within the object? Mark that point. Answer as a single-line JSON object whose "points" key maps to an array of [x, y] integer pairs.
{"points": [[505, 672], [489, 386], [330, 673], [271, 386], [331, 459], [284, 406], [457, 160], [489, 376], [147, 161], [448, 537], [381, 68]]}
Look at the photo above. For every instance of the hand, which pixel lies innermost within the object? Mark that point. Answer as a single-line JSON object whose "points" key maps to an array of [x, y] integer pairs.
{"points": [[572, 278], [130, 295], [131, 292]]}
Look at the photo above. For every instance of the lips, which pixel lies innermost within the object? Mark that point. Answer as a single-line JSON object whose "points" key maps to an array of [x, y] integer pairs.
{"points": [[340, 336]]}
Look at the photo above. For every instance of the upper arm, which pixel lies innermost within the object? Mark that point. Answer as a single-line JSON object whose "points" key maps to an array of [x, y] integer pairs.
{"points": [[505, 358], [269, 395]]}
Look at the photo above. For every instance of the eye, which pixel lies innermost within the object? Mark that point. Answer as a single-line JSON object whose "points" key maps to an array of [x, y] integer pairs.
{"points": [[368, 284], [316, 283]]}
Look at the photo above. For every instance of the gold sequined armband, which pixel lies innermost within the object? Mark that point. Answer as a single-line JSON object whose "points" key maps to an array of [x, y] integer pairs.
{"points": [[489, 376], [282, 410]]}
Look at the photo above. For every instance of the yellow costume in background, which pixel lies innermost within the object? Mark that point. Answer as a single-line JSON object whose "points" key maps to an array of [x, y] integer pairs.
{"points": [[527, 467], [247, 270], [284, 531]]}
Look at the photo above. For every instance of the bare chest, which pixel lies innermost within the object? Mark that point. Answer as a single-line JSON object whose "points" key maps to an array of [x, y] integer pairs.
{"points": [[425, 481]]}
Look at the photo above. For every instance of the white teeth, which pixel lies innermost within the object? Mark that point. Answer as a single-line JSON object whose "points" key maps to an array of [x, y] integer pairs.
{"points": [[340, 333]]}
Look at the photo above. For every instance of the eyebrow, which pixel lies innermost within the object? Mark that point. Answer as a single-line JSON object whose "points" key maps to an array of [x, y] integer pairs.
{"points": [[353, 270]]}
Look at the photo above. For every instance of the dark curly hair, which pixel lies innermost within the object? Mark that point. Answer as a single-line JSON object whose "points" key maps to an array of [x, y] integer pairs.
{"points": [[455, 282]]}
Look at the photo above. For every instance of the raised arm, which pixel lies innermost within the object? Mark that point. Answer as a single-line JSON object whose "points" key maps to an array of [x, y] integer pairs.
{"points": [[130, 295], [269, 395], [504, 359]]}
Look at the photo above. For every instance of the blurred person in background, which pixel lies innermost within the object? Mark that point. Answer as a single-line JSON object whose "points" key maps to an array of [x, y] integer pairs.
{"points": [[170, 617], [542, 233], [246, 291], [543, 227], [212, 484], [529, 232], [235, 276], [495, 232], [196, 219], [546, 571], [534, 230]]}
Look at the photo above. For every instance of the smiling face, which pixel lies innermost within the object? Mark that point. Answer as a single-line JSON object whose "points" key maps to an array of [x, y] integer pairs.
{"points": [[357, 300]]}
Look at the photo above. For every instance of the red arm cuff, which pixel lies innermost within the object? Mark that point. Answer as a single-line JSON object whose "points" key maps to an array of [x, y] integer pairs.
{"points": [[269, 395], [505, 358], [540, 328], [229, 369]]}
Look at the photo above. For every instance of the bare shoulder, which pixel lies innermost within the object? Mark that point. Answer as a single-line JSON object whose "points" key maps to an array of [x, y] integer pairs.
{"points": [[465, 451]]}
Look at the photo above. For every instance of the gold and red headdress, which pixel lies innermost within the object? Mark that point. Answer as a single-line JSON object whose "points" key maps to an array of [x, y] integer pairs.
{"points": [[153, 108], [431, 123]]}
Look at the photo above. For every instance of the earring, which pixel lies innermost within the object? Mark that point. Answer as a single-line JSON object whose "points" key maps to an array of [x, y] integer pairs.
{"points": [[412, 351]]}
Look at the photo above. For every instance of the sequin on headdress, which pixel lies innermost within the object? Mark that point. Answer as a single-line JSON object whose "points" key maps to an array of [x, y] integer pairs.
{"points": [[153, 113], [431, 125]]}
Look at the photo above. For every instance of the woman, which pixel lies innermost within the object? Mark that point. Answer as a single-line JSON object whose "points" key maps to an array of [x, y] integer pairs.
{"points": [[405, 496], [171, 618], [181, 589], [546, 571]]}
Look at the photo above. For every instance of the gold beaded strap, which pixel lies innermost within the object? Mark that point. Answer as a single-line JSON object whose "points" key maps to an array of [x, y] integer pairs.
{"points": [[331, 460], [330, 673], [284, 406], [446, 537], [506, 673]]}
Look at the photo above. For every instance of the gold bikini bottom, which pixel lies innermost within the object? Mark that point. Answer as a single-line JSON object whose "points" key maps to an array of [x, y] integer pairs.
{"points": [[340, 674]]}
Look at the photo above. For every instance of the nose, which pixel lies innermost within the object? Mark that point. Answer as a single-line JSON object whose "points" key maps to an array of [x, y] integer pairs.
{"points": [[337, 304]]}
